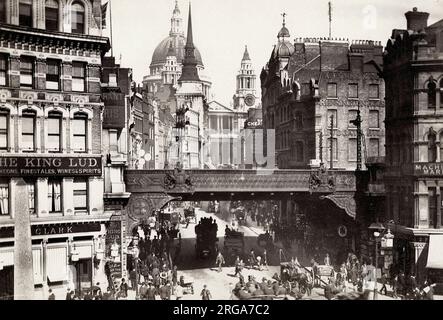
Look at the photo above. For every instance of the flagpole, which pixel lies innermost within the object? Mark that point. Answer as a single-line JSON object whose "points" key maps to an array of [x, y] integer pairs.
{"points": [[110, 22], [330, 19]]}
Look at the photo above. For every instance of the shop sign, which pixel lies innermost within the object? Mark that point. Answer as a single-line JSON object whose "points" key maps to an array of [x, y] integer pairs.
{"points": [[428, 169], [58, 229], [46, 230], [254, 124], [114, 115], [13, 166], [114, 235]]}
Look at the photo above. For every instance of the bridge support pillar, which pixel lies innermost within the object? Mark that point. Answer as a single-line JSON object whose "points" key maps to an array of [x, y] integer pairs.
{"points": [[141, 206]]}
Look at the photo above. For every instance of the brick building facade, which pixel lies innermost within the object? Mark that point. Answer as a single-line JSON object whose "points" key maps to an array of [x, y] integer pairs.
{"points": [[413, 177], [50, 126], [306, 83]]}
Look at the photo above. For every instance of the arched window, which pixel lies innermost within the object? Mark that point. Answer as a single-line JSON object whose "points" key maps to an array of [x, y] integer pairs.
{"points": [[432, 94], [51, 15], [441, 93], [54, 131], [28, 131], [79, 127], [78, 18], [4, 130], [25, 13], [299, 156], [3, 11], [432, 148]]}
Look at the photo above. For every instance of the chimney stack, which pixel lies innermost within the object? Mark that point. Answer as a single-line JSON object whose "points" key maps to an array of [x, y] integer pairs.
{"points": [[416, 21]]}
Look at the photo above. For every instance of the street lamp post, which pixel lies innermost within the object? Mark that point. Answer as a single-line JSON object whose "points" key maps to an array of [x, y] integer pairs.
{"points": [[135, 252], [387, 242], [376, 236]]}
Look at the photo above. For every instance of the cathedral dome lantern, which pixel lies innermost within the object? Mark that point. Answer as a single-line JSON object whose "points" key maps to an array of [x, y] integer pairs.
{"points": [[284, 48], [177, 40]]}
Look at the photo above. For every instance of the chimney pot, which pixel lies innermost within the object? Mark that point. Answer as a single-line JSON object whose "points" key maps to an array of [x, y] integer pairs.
{"points": [[416, 21]]}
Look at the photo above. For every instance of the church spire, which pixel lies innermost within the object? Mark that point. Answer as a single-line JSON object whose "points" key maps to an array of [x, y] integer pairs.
{"points": [[246, 54], [189, 70]]}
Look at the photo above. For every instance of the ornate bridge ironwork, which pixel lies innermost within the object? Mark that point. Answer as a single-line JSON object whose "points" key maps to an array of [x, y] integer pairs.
{"points": [[221, 181], [153, 189]]}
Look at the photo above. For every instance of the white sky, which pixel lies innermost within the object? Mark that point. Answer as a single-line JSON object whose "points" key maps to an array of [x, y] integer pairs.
{"points": [[223, 27]]}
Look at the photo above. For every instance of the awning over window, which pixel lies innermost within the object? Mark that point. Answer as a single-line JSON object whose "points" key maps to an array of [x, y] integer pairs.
{"points": [[56, 266], [7, 257], [435, 252]]}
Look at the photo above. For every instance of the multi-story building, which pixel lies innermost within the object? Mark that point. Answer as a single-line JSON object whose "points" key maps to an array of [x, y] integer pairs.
{"points": [[142, 133], [413, 72], [161, 85], [51, 135], [190, 144], [307, 83]]}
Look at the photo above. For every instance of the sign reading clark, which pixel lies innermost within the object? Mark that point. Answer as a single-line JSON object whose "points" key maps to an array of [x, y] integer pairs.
{"points": [[59, 229], [429, 169], [12, 166]]}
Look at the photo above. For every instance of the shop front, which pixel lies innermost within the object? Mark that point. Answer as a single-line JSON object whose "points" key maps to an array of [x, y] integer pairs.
{"points": [[65, 255]]}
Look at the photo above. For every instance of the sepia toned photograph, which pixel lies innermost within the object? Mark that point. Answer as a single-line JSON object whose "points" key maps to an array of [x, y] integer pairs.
{"points": [[235, 150]]}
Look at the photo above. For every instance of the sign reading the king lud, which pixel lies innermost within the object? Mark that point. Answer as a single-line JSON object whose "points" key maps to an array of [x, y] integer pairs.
{"points": [[25, 166]]}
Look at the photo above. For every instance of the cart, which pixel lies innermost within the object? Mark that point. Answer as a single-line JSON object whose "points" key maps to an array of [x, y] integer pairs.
{"points": [[234, 246]]}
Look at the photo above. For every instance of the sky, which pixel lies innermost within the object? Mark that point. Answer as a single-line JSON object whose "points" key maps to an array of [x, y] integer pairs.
{"points": [[222, 28]]}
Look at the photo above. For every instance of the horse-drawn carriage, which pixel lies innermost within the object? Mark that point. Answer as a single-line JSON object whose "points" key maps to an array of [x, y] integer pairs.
{"points": [[189, 214]]}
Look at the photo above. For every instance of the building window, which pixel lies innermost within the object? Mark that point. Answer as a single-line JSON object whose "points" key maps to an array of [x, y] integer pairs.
{"points": [[2, 11], [80, 195], [26, 72], [55, 195], [138, 125], [78, 76], [374, 119], [25, 13], [374, 147], [432, 148], [30, 184], [3, 70], [79, 127], [4, 197], [54, 131], [299, 152], [299, 120], [352, 115], [78, 18], [332, 90], [334, 149], [353, 91], [332, 117], [432, 206], [441, 83], [53, 74], [374, 91], [352, 149], [51, 13], [4, 129], [432, 94], [28, 131]]}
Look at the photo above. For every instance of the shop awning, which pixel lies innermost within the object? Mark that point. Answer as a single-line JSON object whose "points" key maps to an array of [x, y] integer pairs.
{"points": [[435, 252], [56, 266]]}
